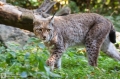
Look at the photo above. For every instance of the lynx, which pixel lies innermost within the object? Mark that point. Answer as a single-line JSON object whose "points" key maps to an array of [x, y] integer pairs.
{"points": [[88, 29]]}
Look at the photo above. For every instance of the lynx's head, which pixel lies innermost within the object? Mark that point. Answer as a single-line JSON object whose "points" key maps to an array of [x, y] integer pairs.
{"points": [[43, 28]]}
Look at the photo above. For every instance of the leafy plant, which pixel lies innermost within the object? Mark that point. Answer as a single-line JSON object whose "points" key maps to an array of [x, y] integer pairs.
{"points": [[30, 4], [29, 62], [115, 20], [26, 63]]}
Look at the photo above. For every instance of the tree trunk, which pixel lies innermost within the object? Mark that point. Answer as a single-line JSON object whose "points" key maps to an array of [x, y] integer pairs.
{"points": [[16, 16], [23, 18], [20, 17]]}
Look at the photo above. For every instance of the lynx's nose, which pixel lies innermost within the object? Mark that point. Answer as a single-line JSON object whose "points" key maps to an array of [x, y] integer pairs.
{"points": [[44, 37]]}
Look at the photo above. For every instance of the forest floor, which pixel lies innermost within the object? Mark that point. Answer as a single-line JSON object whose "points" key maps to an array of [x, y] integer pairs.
{"points": [[29, 63]]}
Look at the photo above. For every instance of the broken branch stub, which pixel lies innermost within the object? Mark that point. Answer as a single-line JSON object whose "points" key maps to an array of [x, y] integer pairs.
{"points": [[45, 6], [64, 11]]}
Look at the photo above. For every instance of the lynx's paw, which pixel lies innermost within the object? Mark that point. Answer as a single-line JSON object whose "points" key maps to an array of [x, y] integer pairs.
{"points": [[51, 64]]}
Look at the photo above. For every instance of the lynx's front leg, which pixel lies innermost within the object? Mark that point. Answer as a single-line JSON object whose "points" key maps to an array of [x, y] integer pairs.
{"points": [[58, 63], [54, 61]]}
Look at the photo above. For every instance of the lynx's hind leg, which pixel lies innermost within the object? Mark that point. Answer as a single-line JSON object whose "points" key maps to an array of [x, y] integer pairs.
{"points": [[94, 39], [110, 49], [92, 52]]}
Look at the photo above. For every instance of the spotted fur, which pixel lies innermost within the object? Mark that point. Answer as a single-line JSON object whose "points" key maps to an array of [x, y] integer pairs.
{"points": [[89, 29]]}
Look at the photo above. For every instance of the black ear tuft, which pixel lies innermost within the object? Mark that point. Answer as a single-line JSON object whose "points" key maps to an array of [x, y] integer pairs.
{"points": [[52, 17]]}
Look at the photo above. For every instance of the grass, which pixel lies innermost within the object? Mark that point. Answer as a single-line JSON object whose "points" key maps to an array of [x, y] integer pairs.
{"points": [[29, 63], [79, 69]]}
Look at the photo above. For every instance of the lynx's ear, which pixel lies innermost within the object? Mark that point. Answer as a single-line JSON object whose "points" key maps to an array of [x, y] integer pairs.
{"points": [[52, 19], [36, 16]]}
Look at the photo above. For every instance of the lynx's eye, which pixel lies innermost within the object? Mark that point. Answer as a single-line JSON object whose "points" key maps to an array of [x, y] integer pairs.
{"points": [[48, 30], [38, 30]]}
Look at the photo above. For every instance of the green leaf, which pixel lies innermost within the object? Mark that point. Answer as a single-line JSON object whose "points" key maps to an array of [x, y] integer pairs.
{"points": [[49, 73], [107, 2], [23, 74], [98, 1], [54, 75], [27, 55], [13, 54], [47, 69], [41, 45], [117, 18], [41, 65]]}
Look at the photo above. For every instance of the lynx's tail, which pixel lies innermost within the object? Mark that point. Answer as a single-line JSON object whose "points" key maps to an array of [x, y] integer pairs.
{"points": [[112, 35]]}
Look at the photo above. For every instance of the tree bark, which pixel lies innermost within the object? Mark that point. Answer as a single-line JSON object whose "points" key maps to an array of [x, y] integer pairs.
{"points": [[19, 17], [16, 16]]}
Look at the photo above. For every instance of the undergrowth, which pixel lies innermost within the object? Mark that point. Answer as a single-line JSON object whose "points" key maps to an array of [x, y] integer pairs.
{"points": [[29, 63]]}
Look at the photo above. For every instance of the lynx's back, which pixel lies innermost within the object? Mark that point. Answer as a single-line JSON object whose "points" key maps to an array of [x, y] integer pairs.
{"points": [[74, 27]]}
